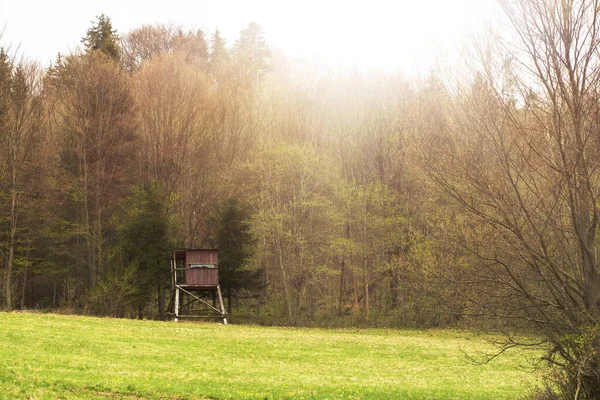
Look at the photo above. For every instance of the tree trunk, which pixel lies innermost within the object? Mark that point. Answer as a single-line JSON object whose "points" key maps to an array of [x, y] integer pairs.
{"points": [[11, 243], [54, 295], [264, 293], [394, 292], [91, 259], [341, 290], [23, 288], [99, 241], [286, 292], [161, 301], [355, 293], [229, 302], [343, 273], [367, 302]]}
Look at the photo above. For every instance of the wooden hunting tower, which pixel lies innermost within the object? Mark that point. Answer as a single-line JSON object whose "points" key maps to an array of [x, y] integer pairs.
{"points": [[195, 281]]}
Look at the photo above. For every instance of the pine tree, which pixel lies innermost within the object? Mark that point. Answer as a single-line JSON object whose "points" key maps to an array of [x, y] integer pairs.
{"points": [[20, 139], [145, 244], [101, 36], [5, 94], [5, 84], [252, 53], [219, 57], [235, 248], [193, 44], [218, 49]]}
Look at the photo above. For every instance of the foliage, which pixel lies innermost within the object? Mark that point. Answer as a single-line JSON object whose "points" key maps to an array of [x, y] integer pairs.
{"points": [[144, 233], [235, 245], [294, 220], [144, 242], [102, 37], [117, 292]]}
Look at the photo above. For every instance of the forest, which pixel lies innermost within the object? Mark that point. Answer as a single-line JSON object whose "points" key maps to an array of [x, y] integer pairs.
{"points": [[469, 198]]}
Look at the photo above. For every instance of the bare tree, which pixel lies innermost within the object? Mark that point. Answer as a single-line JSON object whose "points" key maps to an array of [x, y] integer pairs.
{"points": [[521, 152], [94, 114], [176, 103], [175, 100], [148, 41]]}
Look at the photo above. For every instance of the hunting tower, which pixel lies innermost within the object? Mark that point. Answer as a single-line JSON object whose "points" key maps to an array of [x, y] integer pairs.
{"points": [[195, 285]]}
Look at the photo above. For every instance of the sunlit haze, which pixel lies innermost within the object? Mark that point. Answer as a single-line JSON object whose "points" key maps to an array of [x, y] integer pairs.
{"points": [[408, 35]]}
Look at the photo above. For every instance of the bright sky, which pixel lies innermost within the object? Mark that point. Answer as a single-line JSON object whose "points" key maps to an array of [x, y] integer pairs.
{"points": [[366, 33]]}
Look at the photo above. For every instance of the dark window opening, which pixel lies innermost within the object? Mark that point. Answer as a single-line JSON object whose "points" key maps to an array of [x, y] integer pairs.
{"points": [[202, 265]]}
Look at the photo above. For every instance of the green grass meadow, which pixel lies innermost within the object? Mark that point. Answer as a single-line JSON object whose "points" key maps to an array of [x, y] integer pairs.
{"points": [[47, 356]]}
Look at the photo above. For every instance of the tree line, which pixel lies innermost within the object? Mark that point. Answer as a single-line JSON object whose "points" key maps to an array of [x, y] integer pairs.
{"points": [[336, 198]]}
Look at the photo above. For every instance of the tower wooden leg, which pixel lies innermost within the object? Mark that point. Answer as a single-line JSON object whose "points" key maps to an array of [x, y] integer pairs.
{"points": [[222, 306], [176, 317]]}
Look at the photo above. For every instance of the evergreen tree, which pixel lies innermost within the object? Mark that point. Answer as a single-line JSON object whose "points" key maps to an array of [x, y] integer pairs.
{"points": [[20, 142], [252, 53], [219, 58], [145, 244], [5, 84], [193, 44], [235, 248], [5, 94], [218, 49], [101, 36]]}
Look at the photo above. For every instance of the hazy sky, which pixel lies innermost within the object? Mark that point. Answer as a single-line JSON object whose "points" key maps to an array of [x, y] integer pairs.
{"points": [[368, 33]]}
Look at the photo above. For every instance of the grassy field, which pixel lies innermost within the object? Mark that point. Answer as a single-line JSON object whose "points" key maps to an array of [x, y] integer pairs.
{"points": [[53, 356]]}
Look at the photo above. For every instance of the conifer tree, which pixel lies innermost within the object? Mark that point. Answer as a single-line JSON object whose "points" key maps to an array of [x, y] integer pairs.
{"points": [[219, 57], [235, 246], [101, 36], [5, 82], [252, 53], [145, 244], [5, 88], [193, 44]]}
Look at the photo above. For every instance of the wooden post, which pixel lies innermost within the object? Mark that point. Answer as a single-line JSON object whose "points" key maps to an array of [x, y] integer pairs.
{"points": [[176, 318], [173, 272], [174, 283], [222, 306]]}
